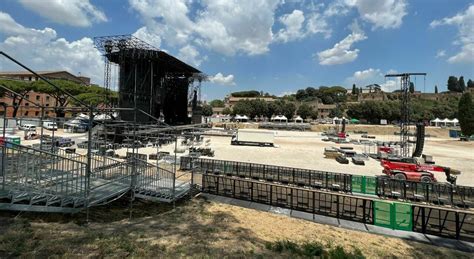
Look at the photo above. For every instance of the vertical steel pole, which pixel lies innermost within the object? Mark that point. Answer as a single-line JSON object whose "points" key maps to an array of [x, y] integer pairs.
{"points": [[4, 145], [42, 130], [174, 169], [134, 148], [89, 161]]}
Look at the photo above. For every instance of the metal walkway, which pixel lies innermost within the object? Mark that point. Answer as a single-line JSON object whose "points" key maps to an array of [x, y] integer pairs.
{"points": [[35, 180]]}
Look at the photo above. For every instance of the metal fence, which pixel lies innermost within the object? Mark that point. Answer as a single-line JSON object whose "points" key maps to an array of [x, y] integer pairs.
{"points": [[285, 175], [383, 187], [28, 169], [438, 221], [309, 200]]}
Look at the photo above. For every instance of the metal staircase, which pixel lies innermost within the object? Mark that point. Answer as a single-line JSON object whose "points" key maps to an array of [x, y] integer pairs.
{"points": [[36, 180]]}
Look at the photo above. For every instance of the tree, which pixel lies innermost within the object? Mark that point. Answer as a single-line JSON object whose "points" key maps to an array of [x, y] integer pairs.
{"points": [[470, 84], [436, 89], [311, 92], [251, 93], [226, 111], [336, 112], [466, 114], [217, 103], [242, 107], [354, 89], [96, 95], [411, 88], [461, 84], [206, 110], [289, 110], [301, 95], [305, 111], [453, 84], [21, 89]]}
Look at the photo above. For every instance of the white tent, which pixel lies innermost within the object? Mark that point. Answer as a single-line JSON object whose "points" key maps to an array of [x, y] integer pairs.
{"points": [[298, 119], [446, 121], [435, 122], [455, 122], [280, 118], [241, 118]]}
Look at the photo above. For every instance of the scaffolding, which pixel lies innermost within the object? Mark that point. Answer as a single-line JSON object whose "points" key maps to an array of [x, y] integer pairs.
{"points": [[106, 165]]}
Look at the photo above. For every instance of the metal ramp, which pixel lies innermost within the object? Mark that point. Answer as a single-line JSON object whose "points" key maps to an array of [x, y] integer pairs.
{"points": [[36, 180]]}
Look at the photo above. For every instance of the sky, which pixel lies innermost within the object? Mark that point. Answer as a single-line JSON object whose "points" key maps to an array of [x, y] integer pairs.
{"points": [[274, 46]]}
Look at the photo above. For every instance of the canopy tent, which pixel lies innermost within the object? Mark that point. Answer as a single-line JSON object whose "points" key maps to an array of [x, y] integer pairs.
{"points": [[337, 120], [298, 119], [241, 118], [455, 122], [354, 120], [435, 122], [280, 118]]}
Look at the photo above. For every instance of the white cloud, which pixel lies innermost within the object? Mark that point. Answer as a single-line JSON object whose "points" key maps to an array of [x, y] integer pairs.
{"points": [[465, 25], [341, 52], [440, 53], [227, 27], [293, 23], [220, 79], [386, 14], [144, 34], [373, 76], [191, 55], [79, 13], [43, 50]]}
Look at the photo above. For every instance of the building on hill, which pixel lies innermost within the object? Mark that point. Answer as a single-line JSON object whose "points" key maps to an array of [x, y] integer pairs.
{"points": [[28, 109]]}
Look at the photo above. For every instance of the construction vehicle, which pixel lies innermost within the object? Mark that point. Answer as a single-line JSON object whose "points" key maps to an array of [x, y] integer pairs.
{"points": [[417, 172]]}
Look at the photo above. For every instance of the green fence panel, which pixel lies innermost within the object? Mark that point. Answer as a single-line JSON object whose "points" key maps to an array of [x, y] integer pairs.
{"points": [[370, 185], [383, 214], [358, 183], [402, 213]]}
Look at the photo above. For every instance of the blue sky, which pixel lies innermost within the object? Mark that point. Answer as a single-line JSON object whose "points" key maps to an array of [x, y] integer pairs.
{"points": [[273, 46]]}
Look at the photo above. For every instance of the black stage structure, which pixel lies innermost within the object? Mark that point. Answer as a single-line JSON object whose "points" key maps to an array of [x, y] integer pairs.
{"points": [[150, 80]]}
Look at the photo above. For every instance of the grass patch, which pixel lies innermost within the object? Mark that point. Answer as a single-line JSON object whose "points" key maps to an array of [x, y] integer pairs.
{"points": [[312, 249]]}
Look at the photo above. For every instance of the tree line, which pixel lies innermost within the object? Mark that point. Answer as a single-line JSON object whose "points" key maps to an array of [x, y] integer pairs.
{"points": [[92, 95], [458, 85], [259, 107]]}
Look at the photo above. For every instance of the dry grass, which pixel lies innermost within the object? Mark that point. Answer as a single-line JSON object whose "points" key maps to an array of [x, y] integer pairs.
{"points": [[196, 228]]}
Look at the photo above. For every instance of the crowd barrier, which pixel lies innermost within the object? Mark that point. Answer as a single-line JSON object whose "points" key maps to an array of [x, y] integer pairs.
{"points": [[446, 222], [383, 187]]}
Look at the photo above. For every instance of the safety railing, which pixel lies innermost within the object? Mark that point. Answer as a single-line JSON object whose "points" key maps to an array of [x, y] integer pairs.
{"points": [[308, 200], [383, 187], [27, 169], [447, 222], [285, 175]]}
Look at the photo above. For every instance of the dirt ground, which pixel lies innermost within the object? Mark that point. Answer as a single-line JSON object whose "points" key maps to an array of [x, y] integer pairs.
{"points": [[306, 150], [196, 228]]}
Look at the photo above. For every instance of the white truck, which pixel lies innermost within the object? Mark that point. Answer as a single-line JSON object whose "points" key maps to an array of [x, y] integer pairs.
{"points": [[49, 125], [253, 137]]}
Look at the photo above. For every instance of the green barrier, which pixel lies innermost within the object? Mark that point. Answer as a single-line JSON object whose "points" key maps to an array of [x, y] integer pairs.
{"points": [[364, 184], [370, 185], [383, 214], [358, 184], [403, 216], [393, 215]]}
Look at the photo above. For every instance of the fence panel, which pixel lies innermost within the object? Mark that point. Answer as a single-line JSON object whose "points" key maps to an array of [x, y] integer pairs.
{"points": [[402, 216], [383, 214]]}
